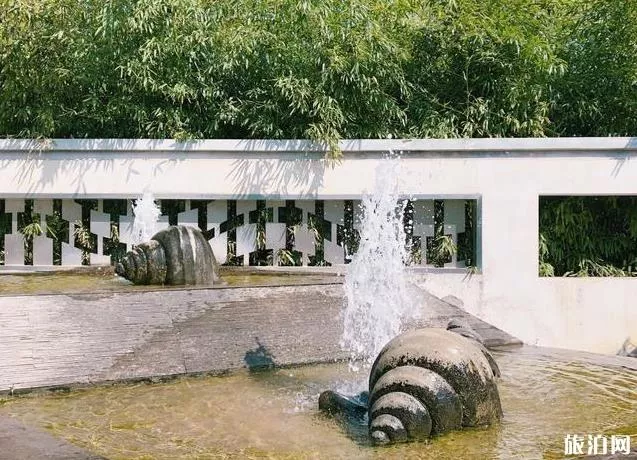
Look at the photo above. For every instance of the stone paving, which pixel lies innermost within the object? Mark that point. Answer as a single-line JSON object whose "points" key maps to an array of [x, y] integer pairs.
{"points": [[79, 339]]}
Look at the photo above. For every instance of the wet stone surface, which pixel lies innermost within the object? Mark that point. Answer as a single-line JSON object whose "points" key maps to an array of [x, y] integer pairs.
{"points": [[80, 339]]}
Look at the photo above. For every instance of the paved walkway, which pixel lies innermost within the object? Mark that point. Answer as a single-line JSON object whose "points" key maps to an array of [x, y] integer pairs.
{"points": [[78, 339]]}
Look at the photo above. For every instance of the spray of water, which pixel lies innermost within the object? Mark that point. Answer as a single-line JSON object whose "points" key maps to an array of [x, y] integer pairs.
{"points": [[146, 214], [376, 286]]}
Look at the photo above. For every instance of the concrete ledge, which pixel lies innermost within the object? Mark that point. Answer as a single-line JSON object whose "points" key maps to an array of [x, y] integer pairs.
{"points": [[303, 145], [333, 270], [82, 339], [35, 269]]}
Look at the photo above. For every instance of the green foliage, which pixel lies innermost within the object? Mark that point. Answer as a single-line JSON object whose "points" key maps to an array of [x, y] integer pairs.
{"points": [[546, 269], [56, 226], [287, 257], [588, 236], [481, 69], [441, 250], [31, 230], [57, 229], [112, 245], [320, 70], [190, 68], [29, 227], [597, 95], [587, 267], [82, 236]]}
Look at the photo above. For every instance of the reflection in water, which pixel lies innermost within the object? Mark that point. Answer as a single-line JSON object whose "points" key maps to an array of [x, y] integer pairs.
{"points": [[545, 395]]}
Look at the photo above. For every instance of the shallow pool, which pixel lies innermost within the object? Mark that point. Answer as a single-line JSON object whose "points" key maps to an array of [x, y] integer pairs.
{"points": [[545, 394]]}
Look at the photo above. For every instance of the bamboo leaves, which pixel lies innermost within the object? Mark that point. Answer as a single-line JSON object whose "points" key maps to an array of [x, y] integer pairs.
{"points": [[320, 70], [587, 236]]}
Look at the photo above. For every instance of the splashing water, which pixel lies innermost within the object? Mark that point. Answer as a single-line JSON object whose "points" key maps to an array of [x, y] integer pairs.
{"points": [[146, 214], [376, 284]]}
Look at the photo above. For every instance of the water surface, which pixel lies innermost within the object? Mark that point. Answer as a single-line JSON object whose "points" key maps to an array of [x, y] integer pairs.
{"points": [[545, 394], [105, 280]]}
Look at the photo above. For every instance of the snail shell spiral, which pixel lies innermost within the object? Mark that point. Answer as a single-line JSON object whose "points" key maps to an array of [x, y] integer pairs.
{"points": [[430, 381], [177, 255]]}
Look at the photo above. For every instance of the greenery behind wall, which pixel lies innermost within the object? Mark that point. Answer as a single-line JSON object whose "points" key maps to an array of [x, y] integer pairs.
{"points": [[324, 70], [588, 236], [313, 69]]}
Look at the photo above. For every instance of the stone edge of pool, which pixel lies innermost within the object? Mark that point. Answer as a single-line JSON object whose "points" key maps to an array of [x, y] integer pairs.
{"points": [[65, 341]]}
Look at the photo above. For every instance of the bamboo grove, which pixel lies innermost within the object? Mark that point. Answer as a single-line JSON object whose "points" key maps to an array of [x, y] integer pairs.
{"points": [[333, 69]]}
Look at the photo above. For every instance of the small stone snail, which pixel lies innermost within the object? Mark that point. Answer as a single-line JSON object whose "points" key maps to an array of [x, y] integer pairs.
{"points": [[177, 255], [425, 382]]}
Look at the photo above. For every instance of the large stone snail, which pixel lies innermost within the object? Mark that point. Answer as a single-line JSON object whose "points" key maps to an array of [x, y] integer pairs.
{"points": [[423, 383], [177, 255]]}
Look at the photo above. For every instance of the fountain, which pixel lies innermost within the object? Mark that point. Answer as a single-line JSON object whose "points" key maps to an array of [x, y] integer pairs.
{"points": [[423, 382], [178, 255], [147, 215], [378, 298]]}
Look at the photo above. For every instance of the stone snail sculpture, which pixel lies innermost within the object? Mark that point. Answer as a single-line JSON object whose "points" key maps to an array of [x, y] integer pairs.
{"points": [[423, 383], [177, 255]]}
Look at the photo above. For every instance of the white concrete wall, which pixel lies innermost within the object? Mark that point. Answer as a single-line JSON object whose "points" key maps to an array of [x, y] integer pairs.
{"points": [[507, 175], [590, 314], [294, 170]]}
